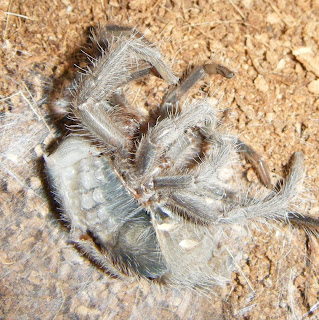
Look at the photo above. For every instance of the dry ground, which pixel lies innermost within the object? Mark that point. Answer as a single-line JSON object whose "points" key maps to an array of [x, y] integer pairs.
{"points": [[273, 105]]}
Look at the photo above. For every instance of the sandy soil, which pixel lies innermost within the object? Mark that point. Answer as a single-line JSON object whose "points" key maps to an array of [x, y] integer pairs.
{"points": [[273, 104]]}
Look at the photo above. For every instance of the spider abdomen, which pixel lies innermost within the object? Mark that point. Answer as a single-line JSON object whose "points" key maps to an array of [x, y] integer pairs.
{"points": [[97, 204]]}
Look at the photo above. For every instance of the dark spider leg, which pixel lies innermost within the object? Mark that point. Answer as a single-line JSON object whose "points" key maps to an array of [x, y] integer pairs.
{"points": [[303, 221], [256, 161], [166, 132], [250, 154], [107, 33], [207, 69], [101, 260], [118, 97]]}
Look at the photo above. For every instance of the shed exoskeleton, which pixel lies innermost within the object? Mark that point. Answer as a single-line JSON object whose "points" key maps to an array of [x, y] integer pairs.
{"points": [[166, 204]]}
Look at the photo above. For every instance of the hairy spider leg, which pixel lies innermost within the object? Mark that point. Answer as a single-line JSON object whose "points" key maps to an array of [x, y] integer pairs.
{"points": [[111, 71]]}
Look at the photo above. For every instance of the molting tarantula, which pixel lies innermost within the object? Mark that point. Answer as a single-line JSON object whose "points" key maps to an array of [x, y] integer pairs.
{"points": [[165, 204]]}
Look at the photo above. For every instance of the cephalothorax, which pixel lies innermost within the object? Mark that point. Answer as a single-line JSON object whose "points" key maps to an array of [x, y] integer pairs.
{"points": [[165, 204]]}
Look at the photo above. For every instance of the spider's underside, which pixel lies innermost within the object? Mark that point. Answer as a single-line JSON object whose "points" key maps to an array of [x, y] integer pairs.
{"points": [[165, 205]]}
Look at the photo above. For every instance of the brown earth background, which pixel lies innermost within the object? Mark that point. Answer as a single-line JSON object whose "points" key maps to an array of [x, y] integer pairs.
{"points": [[272, 103]]}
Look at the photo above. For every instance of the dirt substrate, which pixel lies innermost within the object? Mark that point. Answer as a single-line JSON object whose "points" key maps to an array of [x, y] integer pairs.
{"points": [[272, 103]]}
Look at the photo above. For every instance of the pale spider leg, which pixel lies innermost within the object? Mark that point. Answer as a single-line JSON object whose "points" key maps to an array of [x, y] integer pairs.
{"points": [[110, 72], [190, 183], [105, 38], [273, 206], [194, 206], [172, 186], [99, 84], [142, 49], [298, 219], [171, 100], [182, 192], [108, 34], [99, 121], [146, 53], [173, 182], [182, 154], [203, 176], [166, 132]]}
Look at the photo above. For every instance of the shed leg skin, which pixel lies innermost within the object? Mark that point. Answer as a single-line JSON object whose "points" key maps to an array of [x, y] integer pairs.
{"points": [[171, 100], [302, 221], [167, 203], [256, 161]]}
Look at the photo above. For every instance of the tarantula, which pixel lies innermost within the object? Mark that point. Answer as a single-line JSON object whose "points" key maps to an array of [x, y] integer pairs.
{"points": [[164, 204]]}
